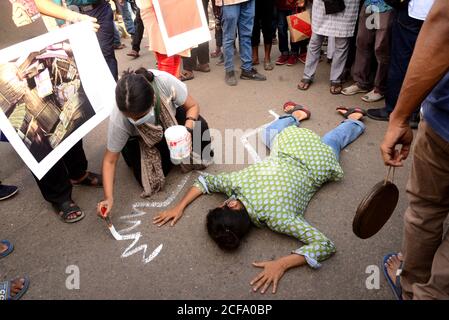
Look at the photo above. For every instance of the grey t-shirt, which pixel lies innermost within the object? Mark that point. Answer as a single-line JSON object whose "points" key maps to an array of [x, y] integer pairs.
{"points": [[120, 129]]}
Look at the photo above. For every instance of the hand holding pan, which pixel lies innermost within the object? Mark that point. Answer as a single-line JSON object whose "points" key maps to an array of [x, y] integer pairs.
{"points": [[376, 208]]}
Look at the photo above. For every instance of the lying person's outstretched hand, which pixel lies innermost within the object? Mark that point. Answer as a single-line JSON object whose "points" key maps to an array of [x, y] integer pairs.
{"points": [[274, 270], [272, 273], [173, 214]]}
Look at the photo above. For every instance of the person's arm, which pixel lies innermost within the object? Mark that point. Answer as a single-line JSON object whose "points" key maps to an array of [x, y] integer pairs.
{"points": [[203, 185], [317, 247], [175, 213], [51, 9], [192, 111], [428, 65], [109, 164], [274, 270]]}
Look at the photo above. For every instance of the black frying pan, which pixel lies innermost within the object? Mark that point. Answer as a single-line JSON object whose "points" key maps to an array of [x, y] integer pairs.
{"points": [[376, 208]]}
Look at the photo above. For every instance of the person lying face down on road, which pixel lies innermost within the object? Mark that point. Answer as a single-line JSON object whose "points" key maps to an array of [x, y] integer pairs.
{"points": [[148, 102], [276, 191]]}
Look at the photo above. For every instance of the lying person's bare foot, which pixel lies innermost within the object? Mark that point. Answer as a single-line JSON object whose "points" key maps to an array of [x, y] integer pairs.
{"points": [[299, 112], [392, 265], [6, 248], [14, 289], [3, 248], [352, 113], [16, 286]]}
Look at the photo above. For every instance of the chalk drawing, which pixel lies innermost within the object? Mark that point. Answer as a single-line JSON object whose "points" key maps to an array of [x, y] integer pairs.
{"points": [[163, 204], [137, 212], [133, 248], [244, 140]]}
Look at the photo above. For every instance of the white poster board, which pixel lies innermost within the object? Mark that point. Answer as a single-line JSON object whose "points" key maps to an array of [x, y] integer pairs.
{"points": [[54, 89], [183, 24]]}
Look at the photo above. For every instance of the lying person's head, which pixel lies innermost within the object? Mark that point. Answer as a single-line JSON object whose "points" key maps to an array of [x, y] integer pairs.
{"points": [[134, 95], [228, 224]]}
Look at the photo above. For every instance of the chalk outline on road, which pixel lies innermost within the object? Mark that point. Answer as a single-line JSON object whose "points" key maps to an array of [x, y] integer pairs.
{"points": [[130, 250], [244, 140]]}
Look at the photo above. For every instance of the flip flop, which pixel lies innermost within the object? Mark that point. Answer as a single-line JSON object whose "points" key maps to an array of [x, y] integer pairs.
{"points": [[335, 88], [185, 76], [9, 250], [5, 290], [91, 180], [133, 53], [268, 66], [350, 111], [396, 288], [296, 108], [305, 84]]}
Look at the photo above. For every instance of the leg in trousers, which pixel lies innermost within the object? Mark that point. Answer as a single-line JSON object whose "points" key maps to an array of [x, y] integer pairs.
{"points": [[105, 35], [382, 51], [365, 47], [230, 19], [313, 56], [245, 27], [339, 59], [426, 258]]}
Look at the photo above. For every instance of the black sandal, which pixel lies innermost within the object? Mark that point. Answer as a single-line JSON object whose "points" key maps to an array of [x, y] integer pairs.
{"points": [[91, 180], [350, 111], [305, 84], [65, 209]]}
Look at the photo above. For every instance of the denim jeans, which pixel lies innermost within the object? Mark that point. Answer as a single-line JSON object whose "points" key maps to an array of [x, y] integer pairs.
{"points": [[404, 34], [283, 34], [238, 16], [105, 34], [125, 11], [338, 138], [117, 39]]}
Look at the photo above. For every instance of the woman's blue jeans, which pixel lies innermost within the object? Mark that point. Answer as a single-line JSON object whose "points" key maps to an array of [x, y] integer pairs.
{"points": [[338, 138]]}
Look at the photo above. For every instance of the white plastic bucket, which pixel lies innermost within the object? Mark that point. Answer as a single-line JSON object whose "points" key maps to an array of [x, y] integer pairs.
{"points": [[179, 143]]}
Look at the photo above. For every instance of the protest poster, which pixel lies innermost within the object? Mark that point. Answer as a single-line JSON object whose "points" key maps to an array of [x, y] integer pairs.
{"points": [[54, 89], [183, 24]]}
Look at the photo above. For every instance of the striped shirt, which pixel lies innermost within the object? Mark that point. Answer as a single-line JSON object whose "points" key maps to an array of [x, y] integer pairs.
{"points": [[341, 24]]}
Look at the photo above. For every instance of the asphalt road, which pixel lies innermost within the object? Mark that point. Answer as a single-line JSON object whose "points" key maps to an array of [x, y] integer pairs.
{"points": [[190, 265]]}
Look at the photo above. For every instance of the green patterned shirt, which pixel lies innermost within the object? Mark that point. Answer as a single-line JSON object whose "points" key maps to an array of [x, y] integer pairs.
{"points": [[277, 190]]}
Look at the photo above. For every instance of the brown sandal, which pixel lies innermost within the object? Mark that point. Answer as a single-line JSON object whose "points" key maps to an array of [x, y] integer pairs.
{"points": [[91, 180], [335, 88], [186, 75], [133, 53], [297, 107]]}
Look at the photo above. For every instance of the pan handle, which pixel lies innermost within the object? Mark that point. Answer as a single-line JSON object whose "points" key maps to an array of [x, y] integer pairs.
{"points": [[390, 175]]}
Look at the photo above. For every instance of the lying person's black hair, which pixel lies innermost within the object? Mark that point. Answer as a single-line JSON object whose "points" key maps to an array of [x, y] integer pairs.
{"points": [[134, 94], [227, 227]]}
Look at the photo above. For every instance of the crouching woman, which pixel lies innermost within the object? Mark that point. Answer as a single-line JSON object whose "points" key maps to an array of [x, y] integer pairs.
{"points": [[149, 102]]}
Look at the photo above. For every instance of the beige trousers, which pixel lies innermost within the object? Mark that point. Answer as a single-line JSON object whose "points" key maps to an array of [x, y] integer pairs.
{"points": [[425, 248]]}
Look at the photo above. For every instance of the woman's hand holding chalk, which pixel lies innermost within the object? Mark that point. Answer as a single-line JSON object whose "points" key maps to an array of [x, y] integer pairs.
{"points": [[104, 208]]}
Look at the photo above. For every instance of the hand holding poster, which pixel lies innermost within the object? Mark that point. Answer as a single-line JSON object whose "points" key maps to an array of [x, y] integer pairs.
{"points": [[54, 89], [183, 24]]}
